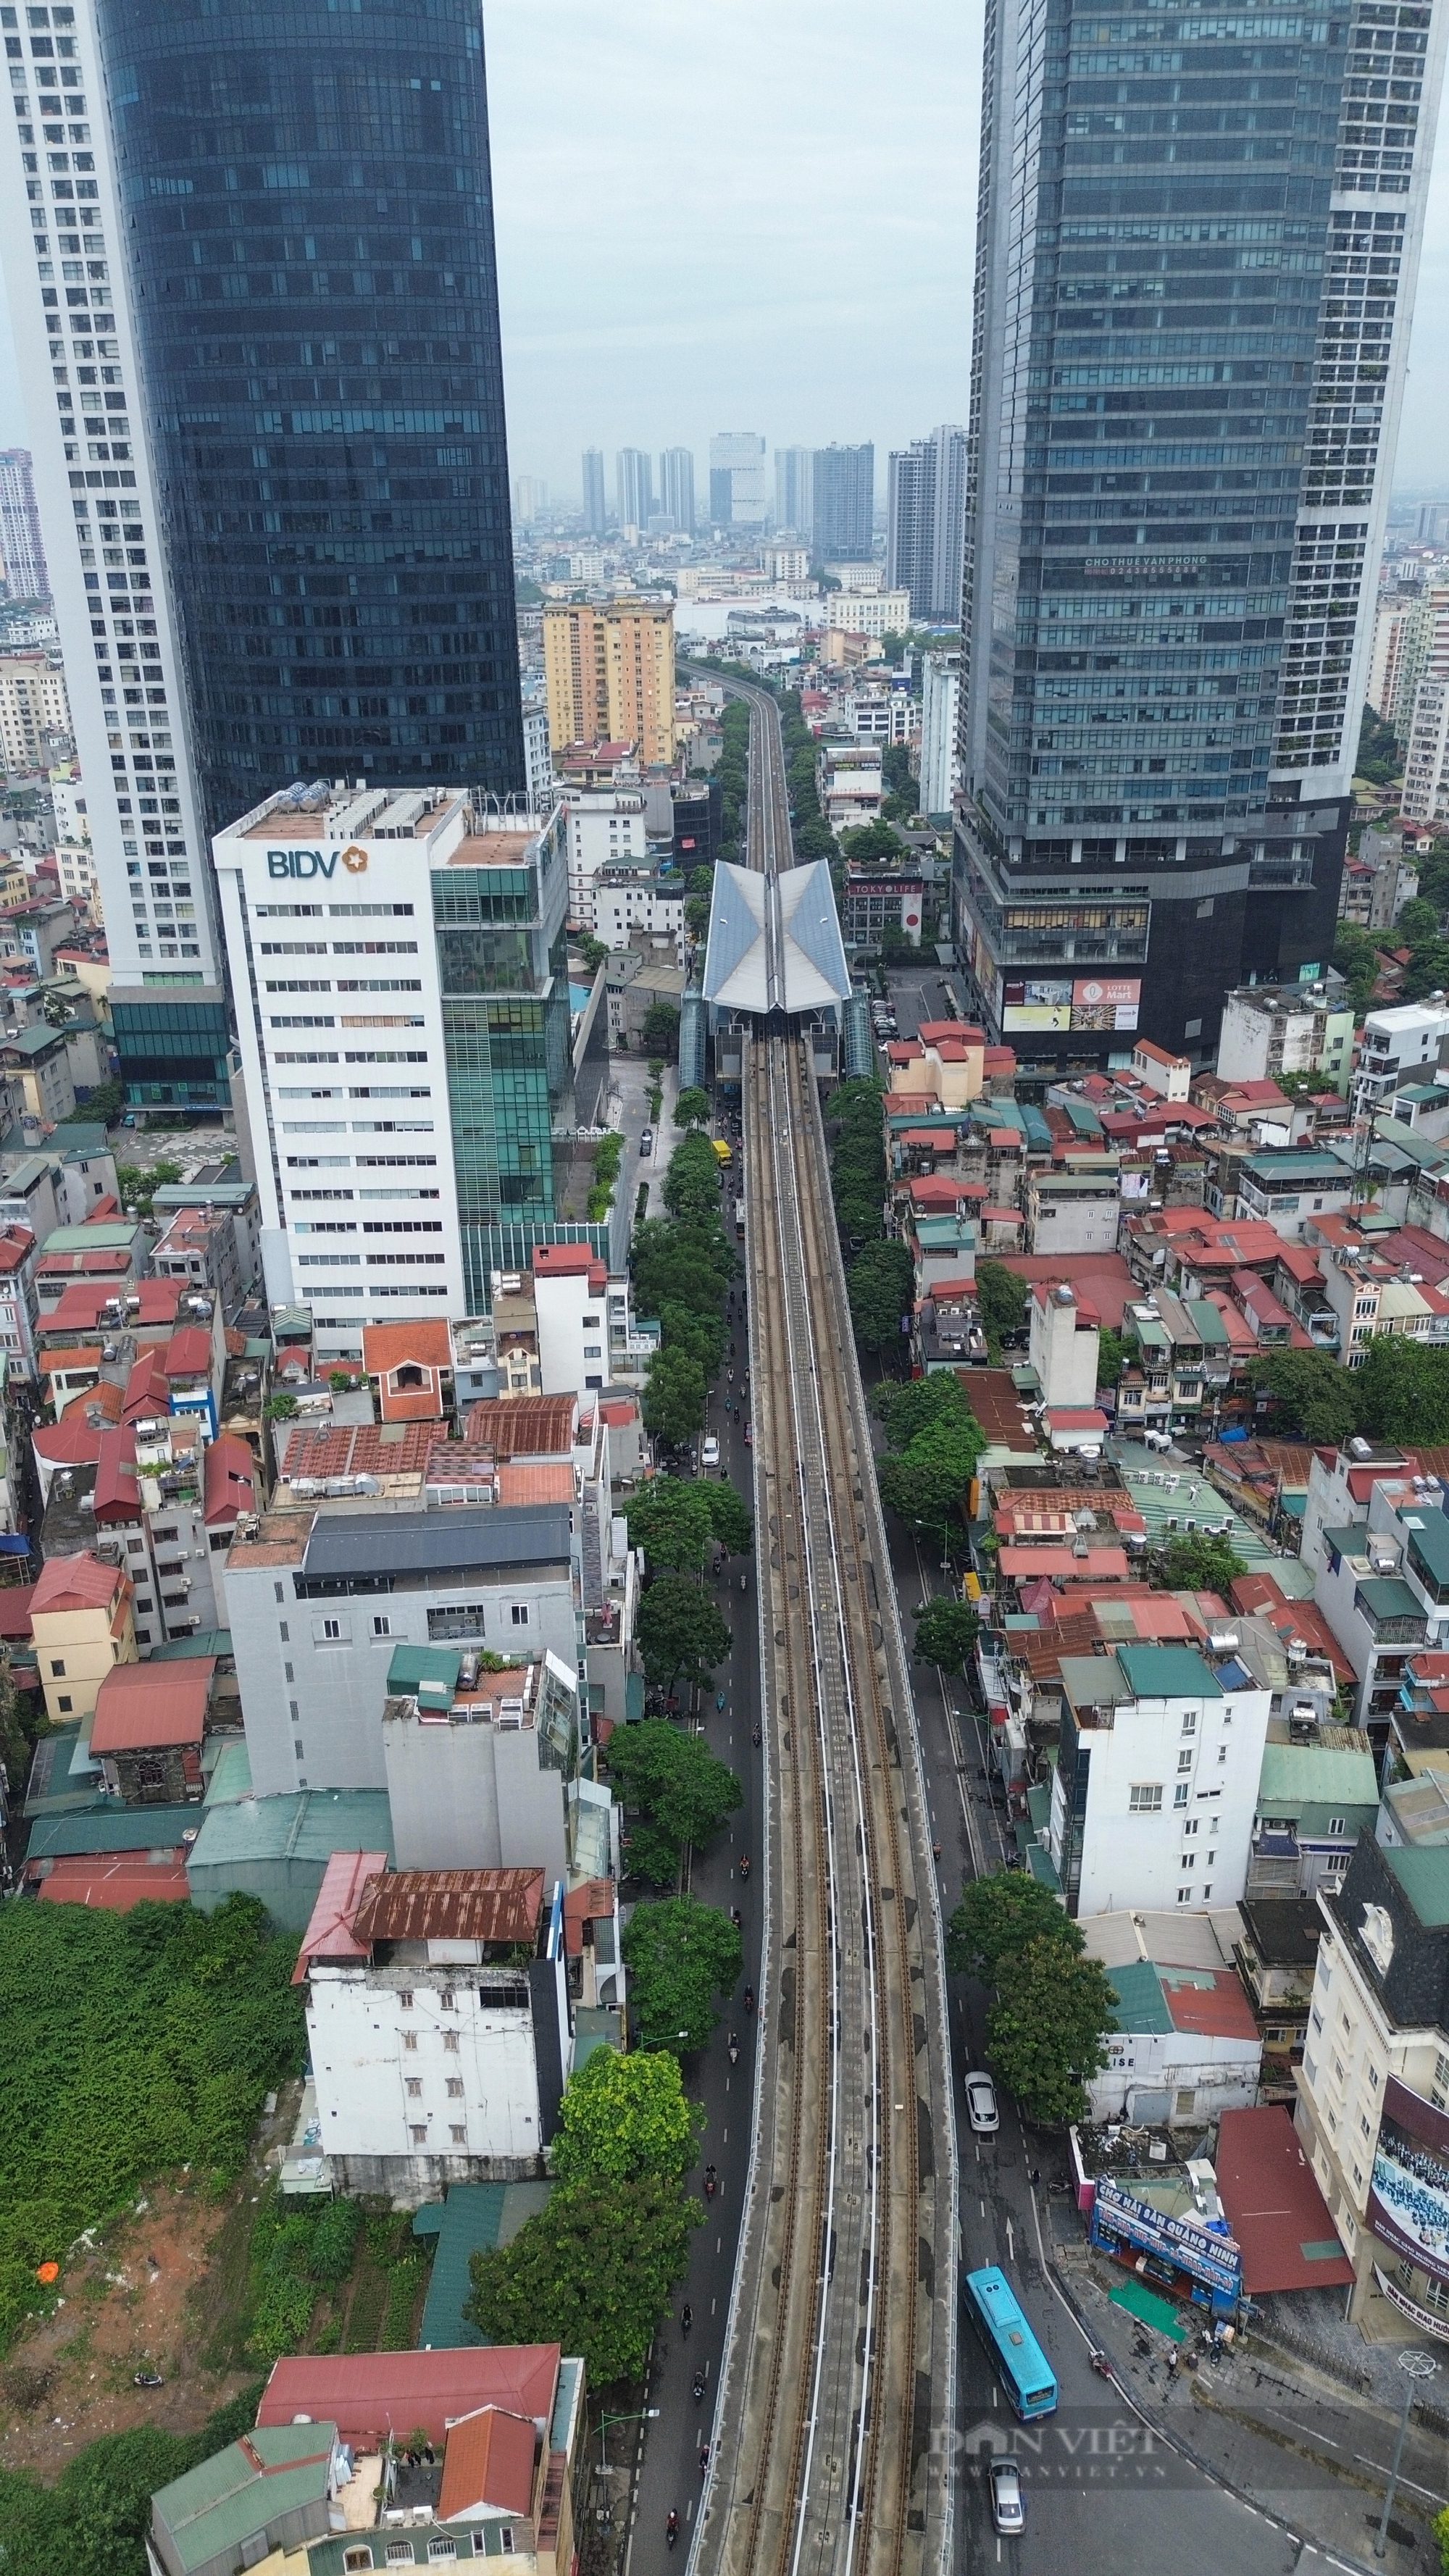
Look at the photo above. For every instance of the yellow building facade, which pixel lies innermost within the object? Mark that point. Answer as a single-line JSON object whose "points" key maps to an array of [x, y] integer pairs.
{"points": [[83, 1624], [609, 676]]}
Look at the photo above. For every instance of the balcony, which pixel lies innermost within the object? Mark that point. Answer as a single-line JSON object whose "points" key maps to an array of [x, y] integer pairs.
{"points": [[1390, 1612]]}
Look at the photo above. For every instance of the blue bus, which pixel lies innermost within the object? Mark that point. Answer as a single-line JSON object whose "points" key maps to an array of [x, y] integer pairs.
{"points": [[1026, 2374]]}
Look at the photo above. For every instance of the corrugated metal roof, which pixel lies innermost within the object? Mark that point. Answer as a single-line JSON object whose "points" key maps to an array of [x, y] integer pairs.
{"points": [[306, 1825], [450, 1905], [1297, 1775], [370, 2394], [488, 2460], [113, 1829], [1168, 1672], [464, 1535], [137, 1705]]}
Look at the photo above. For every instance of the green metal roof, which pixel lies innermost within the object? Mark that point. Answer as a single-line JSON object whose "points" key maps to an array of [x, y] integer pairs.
{"points": [[476, 2216], [1428, 1535], [109, 1237], [222, 2505], [1168, 1672], [428, 1674], [1423, 1873], [1302, 1775], [231, 1774], [309, 1824], [1389, 1597], [202, 1641], [1141, 2004], [114, 1829]]}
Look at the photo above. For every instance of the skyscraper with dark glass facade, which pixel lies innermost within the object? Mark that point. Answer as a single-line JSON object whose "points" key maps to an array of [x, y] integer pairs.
{"points": [[1196, 252], [249, 258]]}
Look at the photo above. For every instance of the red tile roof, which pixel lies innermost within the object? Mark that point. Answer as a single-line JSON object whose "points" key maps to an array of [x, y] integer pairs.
{"points": [[188, 1353], [147, 1392], [101, 1263], [426, 1342], [567, 1261], [329, 1934], [144, 1704], [536, 1480], [1260, 1592], [71, 1442], [96, 1406], [76, 1583], [230, 1480], [489, 2460], [15, 1600], [64, 1363], [1104, 1276], [368, 2395], [359, 1448], [1209, 2002], [1274, 2207], [16, 1242], [117, 1486]]}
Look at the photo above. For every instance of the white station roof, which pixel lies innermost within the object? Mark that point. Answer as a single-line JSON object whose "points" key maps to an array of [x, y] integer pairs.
{"points": [[774, 942]]}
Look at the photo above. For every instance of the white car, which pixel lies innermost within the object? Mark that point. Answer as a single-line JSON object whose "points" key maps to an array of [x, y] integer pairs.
{"points": [[981, 2108], [1008, 2511], [709, 1454]]}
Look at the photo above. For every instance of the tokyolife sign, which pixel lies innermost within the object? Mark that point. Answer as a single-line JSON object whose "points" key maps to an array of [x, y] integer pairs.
{"points": [[316, 863]]}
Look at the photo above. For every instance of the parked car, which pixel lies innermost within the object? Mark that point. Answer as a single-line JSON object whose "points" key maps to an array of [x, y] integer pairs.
{"points": [[981, 2108], [646, 1141], [709, 1454], [1008, 2511]]}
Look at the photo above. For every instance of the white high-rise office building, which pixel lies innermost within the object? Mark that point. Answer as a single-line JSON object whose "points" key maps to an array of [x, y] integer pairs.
{"points": [[676, 488], [95, 487], [940, 702], [737, 479], [596, 515], [22, 548], [925, 522], [633, 487]]}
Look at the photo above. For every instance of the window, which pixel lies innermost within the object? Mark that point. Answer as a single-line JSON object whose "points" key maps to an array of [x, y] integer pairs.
{"points": [[283, 1630], [279, 1593], [410, 2039], [1184, 1761], [1363, 2124], [1189, 1723], [1222, 1753], [1316, 2017], [1179, 1795], [455, 2088], [381, 1625], [405, 1998], [1439, 2089], [1347, 2025], [332, 1630], [1337, 1824], [448, 1999], [1188, 1861], [1373, 2077], [1144, 1797], [519, 1614], [451, 2042], [400, 2553], [1191, 1825], [63, 1704], [1186, 2102], [58, 1669], [419, 2133], [1207, 1891], [1184, 1895], [415, 2088], [459, 2135], [352, 2558], [441, 2552]]}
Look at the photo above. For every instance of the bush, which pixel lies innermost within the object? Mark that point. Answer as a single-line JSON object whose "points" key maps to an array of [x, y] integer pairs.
{"points": [[94, 2520], [135, 2043]]}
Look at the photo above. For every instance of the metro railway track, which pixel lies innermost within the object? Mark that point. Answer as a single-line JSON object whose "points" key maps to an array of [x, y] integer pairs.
{"points": [[822, 2458]]}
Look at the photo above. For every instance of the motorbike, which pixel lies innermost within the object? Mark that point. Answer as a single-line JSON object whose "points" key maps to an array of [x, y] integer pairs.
{"points": [[759, 1739], [744, 1864], [749, 1999], [686, 2318], [149, 2379], [671, 2529], [719, 1701], [711, 2182], [1101, 2365], [703, 2458], [698, 2387], [744, 1579], [734, 2048]]}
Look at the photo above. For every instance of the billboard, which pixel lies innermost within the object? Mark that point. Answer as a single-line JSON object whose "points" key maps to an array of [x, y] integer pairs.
{"points": [[1035, 1004], [1106, 1001], [1408, 2201], [1208, 2257]]}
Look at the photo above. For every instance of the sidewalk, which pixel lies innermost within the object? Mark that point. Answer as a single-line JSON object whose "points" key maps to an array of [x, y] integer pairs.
{"points": [[1292, 2438]]}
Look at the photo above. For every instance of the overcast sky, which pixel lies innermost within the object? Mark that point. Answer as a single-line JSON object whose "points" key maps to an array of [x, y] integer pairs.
{"points": [[757, 214]]}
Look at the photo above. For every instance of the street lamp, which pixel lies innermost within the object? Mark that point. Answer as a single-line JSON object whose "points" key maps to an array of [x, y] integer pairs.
{"points": [[1416, 2367], [646, 2415]]}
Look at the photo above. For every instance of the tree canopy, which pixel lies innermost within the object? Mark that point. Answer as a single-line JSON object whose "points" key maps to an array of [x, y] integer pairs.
{"points": [[593, 2271], [680, 1955], [1045, 2031], [683, 1793], [996, 1919], [674, 1395], [1403, 1390], [682, 1636], [1195, 1562], [857, 1160], [691, 1184], [691, 1109], [946, 1631], [626, 2116], [880, 1285], [660, 1032], [1001, 1301], [1310, 1393], [925, 1477], [94, 2520], [670, 1519]]}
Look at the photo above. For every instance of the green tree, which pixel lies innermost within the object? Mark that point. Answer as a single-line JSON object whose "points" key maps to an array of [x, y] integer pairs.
{"points": [[946, 1631], [879, 1284], [1379, 757], [1197, 1563], [691, 1184], [1357, 960], [1403, 1390], [998, 1918], [928, 1483], [1417, 922], [593, 951], [1111, 1354], [871, 844], [701, 881], [919, 1403], [661, 1030], [696, 916], [681, 1634], [729, 1517], [593, 2271], [1001, 1300], [680, 1955], [682, 1790], [1441, 2535], [673, 1400], [1044, 2035], [691, 1109], [1310, 1393], [625, 2116], [670, 1518], [280, 1407]]}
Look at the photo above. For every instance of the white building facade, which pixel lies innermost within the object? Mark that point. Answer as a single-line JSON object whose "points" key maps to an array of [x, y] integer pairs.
{"points": [[940, 709], [1155, 1791], [605, 829]]}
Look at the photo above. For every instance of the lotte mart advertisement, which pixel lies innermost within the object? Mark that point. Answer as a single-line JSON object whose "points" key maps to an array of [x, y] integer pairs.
{"points": [[1081, 1002]]}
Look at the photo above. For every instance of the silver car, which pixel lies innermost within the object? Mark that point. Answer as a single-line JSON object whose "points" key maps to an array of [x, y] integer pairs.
{"points": [[981, 2108], [1008, 2511]]}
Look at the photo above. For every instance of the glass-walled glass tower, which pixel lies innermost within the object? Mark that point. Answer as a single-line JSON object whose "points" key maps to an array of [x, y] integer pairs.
{"points": [[1196, 253]]}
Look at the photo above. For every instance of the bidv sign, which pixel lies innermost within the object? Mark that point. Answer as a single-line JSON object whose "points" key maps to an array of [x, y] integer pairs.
{"points": [[316, 863]]}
